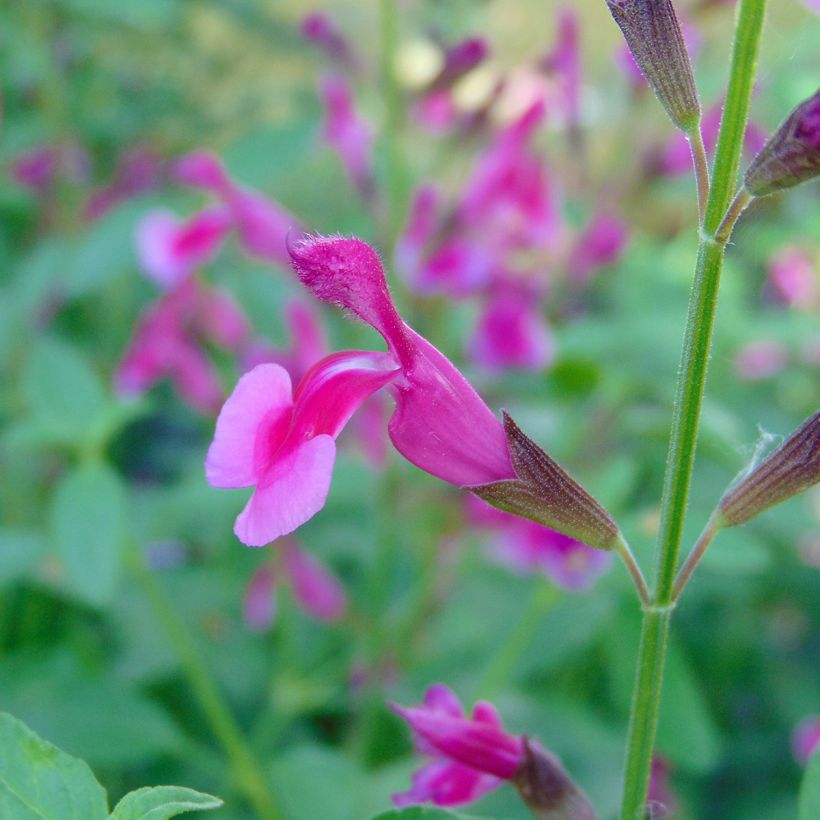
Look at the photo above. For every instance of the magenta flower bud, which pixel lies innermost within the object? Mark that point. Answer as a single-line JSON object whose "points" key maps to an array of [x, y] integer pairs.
{"points": [[460, 59], [469, 756], [544, 492], [321, 30], [654, 37], [806, 739], [790, 469], [792, 155]]}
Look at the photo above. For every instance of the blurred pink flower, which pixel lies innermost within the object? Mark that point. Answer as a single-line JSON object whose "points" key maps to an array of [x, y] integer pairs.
{"points": [[794, 277], [37, 168], [806, 739], [761, 360], [138, 170], [469, 756], [600, 244], [315, 589], [321, 30], [422, 223], [512, 333], [166, 344], [263, 225], [347, 133], [169, 249], [524, 546], [660, 800]]}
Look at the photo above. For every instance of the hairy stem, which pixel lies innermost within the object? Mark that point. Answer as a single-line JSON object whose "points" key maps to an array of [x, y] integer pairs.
{"points": [[693, 559], [687, 408], [623, 550], [701, 166], [246, 768]]}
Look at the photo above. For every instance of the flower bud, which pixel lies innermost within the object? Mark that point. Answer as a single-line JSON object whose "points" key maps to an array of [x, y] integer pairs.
{"points": [[547, 789], [790, 469], [544, 492], [654, 37], [792, 155]]}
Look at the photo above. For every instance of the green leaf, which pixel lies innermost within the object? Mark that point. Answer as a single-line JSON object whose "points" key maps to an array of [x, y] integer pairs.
{"points": [[88, 525], [20, 552], [161, 802], [65, 395], [38, 781], [808, 806]]}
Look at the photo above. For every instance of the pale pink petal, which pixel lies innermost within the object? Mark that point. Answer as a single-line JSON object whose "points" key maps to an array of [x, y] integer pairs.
{"points": [[315, 588], [201, 169], [293, 491], [259, 407], [441, 698], [220, 319]]}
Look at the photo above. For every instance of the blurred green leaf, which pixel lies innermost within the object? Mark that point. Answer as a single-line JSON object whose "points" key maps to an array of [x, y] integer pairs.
{"points": [[162, 802], [66, 397], [20, 552], [808, 807], [37, 780], [89, 529]]}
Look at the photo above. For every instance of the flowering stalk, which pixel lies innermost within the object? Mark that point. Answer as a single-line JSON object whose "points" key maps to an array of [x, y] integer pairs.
{"points": [[686, 414]]}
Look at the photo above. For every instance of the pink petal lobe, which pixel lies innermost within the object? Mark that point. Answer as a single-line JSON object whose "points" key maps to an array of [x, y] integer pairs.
{"points": [[294, 489], [259, 603], [442, 699], [259, 406], [335, 387], [316, 589]]}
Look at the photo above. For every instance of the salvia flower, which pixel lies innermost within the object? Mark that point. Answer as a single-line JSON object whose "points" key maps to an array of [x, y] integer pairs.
{"points": [[471, 756], [790, 469], [321, 30], [601, 243], [794, 277], [792, 155], [565, 61], [654, 37]]}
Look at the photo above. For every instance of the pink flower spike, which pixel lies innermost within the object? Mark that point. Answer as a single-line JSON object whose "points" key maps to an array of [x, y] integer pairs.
{"points": [[471, 756], [347, 134], [440, 423], [259, 603], [169, 250], [284, 446], [806, 739], [315, 588]]}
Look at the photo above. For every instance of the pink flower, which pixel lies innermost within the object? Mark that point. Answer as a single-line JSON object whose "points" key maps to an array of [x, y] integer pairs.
{"points": [[470, 756], [138, 170], [806, 739], [37, 168], [169, 250], [347, 134], [321, 30], [794, 277], [524, 546], [600, 244], [761, 360], [440, 423], [283, 444], [512, 333], [315, 589], [166, 344], [425, 212], [263, 225], [660, 799]]}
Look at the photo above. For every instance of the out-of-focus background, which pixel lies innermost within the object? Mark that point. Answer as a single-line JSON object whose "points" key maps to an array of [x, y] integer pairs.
{"points": [[559, 286]]}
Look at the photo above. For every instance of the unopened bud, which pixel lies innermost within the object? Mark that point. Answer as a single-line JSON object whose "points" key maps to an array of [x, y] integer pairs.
{"points": [[792, 155], [544, 492], [654, 37], [547, 789], [790, 469]]}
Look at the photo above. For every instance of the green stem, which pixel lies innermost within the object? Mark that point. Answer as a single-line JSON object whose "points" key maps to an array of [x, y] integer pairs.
{"points": [[701, 545], [687, 408], [502, 665], [246, 768]]}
